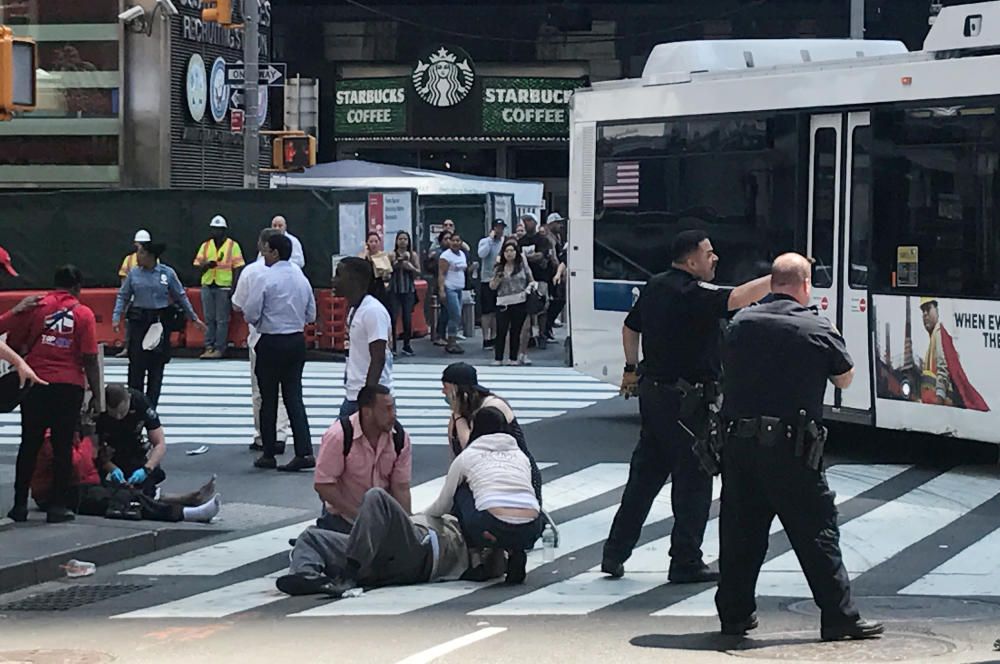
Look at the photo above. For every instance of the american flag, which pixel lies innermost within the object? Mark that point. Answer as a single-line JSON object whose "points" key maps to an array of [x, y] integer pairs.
{"points": [[621, 184]]}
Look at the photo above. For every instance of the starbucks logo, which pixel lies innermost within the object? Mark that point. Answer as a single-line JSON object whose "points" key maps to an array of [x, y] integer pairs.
{"points": [[444, 78]]}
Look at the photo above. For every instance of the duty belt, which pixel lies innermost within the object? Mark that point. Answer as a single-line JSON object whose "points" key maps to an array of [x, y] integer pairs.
{"points": [[768, 429], [808, 435]]}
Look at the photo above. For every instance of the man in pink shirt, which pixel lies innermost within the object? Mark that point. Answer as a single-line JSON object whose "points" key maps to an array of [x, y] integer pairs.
{"points": [[376, 457]]}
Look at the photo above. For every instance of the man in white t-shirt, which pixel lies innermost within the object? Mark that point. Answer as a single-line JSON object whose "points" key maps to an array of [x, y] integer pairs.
{"points": [[247, 282], [369, 325]]}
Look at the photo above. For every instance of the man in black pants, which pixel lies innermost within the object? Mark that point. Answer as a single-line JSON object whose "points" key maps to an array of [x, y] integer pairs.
{"points": [[677, 319], [279, 308], [59, 340], [125, 459]]}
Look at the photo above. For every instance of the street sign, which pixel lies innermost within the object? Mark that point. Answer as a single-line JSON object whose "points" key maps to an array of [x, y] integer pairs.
{"points": [[236, 119], [272, 75], [236, 100]]}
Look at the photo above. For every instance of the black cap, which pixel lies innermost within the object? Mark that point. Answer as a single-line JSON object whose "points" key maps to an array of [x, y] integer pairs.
{"points": [[499, 222], [463, 374]]}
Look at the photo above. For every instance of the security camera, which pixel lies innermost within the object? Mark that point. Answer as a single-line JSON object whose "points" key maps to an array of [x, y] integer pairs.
{"points": [[168, 7], [132, 14]]}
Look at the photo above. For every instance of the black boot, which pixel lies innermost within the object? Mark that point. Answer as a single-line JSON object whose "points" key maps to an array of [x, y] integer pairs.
{"points": [[517, 567]]}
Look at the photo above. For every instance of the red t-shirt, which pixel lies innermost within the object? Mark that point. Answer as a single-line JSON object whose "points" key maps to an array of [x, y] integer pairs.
{"points": [[65, 334], [84, 470]]}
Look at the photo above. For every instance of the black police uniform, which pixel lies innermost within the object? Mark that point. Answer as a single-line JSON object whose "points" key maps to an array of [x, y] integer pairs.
{"points": [[678, 317], [778, 357], [125, 437]]}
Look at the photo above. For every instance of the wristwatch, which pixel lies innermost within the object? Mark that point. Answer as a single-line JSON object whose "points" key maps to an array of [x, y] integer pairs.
{"points": [[630, 368]]}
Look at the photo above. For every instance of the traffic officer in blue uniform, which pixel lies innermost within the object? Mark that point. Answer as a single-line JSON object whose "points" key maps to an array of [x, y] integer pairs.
{"points": [[677, 319], [778, 357]]}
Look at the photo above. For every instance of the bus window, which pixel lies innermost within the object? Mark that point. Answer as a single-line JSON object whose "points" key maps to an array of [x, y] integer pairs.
{"points": [[861, 201], [935, 186], [824, 205]]}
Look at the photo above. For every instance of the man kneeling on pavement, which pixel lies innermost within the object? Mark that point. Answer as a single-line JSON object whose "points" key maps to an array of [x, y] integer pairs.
{"points": [[131, 474]]}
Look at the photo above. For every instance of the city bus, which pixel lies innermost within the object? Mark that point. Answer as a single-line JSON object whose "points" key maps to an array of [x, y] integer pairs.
{"points": [[878, 163]]}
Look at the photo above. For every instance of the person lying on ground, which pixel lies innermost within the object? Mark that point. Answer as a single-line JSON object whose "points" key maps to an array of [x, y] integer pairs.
{"points": [[385, 547], [488, 488]]}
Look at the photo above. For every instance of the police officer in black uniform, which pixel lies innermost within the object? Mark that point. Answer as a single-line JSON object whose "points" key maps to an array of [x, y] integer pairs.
{"points": [[778, 357], [677, 319]]}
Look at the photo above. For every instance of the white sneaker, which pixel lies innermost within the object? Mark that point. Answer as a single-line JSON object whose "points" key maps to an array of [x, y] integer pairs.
{"points": [[460, 336], [496, 363], [523, 360]]}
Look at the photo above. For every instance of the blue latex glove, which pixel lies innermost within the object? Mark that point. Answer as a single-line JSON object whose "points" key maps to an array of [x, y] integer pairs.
{"points": [[116, 476], [138, 477]]}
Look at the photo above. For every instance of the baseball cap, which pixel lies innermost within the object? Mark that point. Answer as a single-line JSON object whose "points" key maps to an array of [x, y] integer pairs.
{"points": [[142, 236], [7, 265], [499, 222], [461, 373], [530, 215], [555, 216], [218, 221]]}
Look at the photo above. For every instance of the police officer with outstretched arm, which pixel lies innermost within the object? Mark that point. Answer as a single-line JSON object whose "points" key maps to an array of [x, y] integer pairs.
{"points": [[778, 357], [677, 319]]}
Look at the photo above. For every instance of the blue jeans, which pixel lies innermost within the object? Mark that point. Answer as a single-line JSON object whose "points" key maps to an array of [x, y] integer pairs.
{"points": [[474, 523], [216, 307], [453, 300]]}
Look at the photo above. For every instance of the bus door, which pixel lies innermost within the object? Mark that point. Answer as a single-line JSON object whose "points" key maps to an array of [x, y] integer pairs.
{"points": [[855, 246], [824, 218]]}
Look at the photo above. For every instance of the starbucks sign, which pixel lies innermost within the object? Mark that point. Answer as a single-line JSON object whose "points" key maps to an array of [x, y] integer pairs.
{"points": [[444, 77], [371, 106], [527, 106]]}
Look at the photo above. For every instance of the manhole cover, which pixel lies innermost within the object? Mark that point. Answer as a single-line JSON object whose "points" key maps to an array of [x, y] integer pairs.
{"points": [[806, 647], [55, 657], [72, 597], [897, 609]]}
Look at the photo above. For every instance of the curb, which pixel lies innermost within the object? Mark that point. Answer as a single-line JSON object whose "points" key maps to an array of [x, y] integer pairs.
{"points": [[5, 523], [47, 568]]}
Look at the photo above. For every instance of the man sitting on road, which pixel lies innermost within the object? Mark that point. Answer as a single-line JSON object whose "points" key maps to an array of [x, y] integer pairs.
{"points": [[385, 547], [126, 459], [377, 454]]}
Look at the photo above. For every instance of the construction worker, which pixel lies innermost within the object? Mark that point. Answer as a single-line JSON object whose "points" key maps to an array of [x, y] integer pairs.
{"points": [[128, 263], [220, 260]]}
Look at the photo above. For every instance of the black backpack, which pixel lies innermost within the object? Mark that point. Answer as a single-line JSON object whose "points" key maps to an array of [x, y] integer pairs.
{"points": [[398, 435]]}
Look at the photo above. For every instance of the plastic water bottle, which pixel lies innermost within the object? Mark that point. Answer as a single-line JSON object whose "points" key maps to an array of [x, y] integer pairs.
{"points": [[548, 543]]}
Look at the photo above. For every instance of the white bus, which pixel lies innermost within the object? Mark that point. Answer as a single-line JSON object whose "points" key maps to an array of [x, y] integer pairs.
{"points": [[882, 165]]}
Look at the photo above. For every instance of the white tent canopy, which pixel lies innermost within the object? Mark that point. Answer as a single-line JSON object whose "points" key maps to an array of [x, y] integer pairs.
{"points": [[354, 174]]}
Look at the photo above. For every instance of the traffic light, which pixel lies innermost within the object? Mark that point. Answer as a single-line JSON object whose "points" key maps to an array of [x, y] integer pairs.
{"points": [[18, 56], [293, 153], [217, 11]]}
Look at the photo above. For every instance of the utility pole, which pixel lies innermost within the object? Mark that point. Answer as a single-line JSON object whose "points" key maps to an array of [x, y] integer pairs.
{"points": [[251, 55], [857, 19]]}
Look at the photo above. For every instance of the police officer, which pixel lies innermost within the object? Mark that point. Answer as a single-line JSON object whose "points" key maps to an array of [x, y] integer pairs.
{"points": [[677, 318], [778, 357]]}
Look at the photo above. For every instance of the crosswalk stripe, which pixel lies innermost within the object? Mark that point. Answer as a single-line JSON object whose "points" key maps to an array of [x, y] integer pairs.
{"points": [[573, 536], [583, 485], [592, 590], [973, 571], [242, 596]]}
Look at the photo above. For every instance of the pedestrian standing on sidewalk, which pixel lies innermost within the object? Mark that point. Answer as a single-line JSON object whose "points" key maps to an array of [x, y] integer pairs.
{"points": [[128, 264], [250, 281], [452, 269], [368, 361], [557, 291], [280, 306], [60, 338], [539, 253], [434, 286], [220, 260], [511, 282], [150, 287], [374, 253], [489, 256], [298, 256], [403, 290]]}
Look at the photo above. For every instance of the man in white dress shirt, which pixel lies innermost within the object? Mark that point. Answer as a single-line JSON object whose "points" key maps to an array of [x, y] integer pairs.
{"points": [[280, 308], [249, 279], [298, 257]]}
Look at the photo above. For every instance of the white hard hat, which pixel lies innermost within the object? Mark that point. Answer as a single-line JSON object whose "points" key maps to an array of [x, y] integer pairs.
{"points": [[142, 236], [555, 216], [218, 221], [530, 215]]}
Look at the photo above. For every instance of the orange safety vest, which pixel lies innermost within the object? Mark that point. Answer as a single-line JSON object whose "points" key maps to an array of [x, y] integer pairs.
{"points": [[131, 261], [228, 257]]}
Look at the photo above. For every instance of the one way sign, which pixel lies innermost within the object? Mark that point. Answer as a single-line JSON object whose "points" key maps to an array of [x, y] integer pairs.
{"points": [[269, 74]]}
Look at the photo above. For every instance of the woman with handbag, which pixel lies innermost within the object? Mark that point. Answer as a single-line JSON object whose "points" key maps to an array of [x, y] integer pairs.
{"points": [[403, 290], [151, 286], [514, 285]]}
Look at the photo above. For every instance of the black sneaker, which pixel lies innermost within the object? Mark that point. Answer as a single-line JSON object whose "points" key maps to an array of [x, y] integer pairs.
{"points": [[18, 513], [298, 463], [740, 627], [407, 351], [613, 569], [256, 447], [517, 567], [300, 584], [266, 463], [59, 515], [860, 629], [692, 575]]}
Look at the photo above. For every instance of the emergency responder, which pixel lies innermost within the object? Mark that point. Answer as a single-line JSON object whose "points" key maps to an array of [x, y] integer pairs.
{"points": [[677, 318], [778, 357], [128, 263], [220, 259], [128, 457]]}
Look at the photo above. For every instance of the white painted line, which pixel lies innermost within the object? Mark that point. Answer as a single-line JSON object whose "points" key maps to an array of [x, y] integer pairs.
{"points": [[217, 603], [583, 485], [431, 654], [974, 571]]}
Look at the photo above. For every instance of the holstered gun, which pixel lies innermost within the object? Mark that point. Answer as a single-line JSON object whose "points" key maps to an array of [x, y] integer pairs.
{"points": [[700, 418], [817, 442], [800, 435]]}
